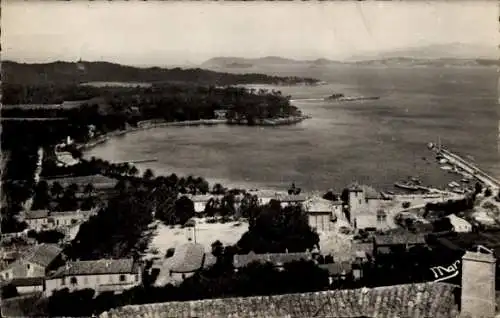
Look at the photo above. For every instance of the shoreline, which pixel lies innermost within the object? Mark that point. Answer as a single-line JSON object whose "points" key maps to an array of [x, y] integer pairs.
{"points": [[145, 125]]}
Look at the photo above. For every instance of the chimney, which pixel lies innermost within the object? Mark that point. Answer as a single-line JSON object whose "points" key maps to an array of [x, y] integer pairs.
{"points": [[478, 284]]}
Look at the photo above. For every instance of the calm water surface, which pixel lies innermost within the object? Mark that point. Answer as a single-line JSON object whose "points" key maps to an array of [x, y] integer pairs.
{"points": [[374, 142]]}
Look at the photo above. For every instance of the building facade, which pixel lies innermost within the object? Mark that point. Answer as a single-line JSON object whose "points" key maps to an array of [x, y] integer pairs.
{"points": [[34, 263], [103, 275]]}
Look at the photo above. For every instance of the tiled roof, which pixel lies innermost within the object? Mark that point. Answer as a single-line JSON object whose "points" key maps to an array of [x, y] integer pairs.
{"points": [[102, 266], [43, 254], [317, 204], [399, 239], [337, 268], [187, 258], [97, 180], [277, 258], [202, 197], [27, 281], [291, 198], [435, 300], [36, 214]]}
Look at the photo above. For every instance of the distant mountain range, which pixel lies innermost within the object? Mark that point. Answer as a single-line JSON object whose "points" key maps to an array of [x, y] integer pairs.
{"points": [[454, 54], [82, 72]]}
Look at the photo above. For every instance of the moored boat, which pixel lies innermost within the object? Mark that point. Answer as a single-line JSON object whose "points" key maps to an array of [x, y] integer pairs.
{"points": [[406, 186]]}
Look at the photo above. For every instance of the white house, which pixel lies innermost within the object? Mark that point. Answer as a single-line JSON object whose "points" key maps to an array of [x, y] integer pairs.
{"points": [[363, 200], [322, 213], [27, 285], [37, 220], [34, 263], [102, 275], [459, 224], [44, 220], [288, 200]]}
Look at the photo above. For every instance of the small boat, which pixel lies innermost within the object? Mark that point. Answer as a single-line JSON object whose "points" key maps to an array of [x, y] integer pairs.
{"points": [[465, 180], [453, 184], [459, 191], [443, 161], [406, 186], [447, 168]]}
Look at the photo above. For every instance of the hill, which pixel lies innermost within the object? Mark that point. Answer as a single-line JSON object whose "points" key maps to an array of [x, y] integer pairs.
{"points": [[228, 62], [82, 72]]}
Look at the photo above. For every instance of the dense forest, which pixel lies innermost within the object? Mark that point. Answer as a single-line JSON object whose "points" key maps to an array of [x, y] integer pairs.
{"points": [[82, 72]]}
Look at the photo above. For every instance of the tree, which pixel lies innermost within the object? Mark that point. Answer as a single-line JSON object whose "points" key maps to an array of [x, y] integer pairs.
{"points": [[330, 196], [89, 189], [148, 175], [217, 248], [56, 189], [133, 171], [218, 189], [184, 209], [345, 196], [487, 192], [478, 188], [276, 230]]}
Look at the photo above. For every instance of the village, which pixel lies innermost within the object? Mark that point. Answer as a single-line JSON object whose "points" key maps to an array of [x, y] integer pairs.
{"points": [[354, 228]]}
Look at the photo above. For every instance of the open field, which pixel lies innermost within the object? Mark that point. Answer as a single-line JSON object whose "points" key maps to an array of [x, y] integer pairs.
{"points": [[206, 233]]}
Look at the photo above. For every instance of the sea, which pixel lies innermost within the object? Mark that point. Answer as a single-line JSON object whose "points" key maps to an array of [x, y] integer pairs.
{"points": [[377, 142]]}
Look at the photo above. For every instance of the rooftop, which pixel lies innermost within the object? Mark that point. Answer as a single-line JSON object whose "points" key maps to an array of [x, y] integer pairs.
{"points": [[102, 266], [26, 281], [291, 198], [96, 180], [43, 255], [337, 268], [411, 300], [187, 258], [36, 214], [318, 204], [276, 258], [399, 239]]}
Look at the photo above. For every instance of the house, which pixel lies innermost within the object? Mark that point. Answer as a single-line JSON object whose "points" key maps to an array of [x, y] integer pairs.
{"points": [[26, 285], [289, 200], [100, 182], [220, 113], [102, 275], [37, 220], [408, 300], [45, 220], [337, 272], [371, 220], [383, 244], [200, 201], [186, 261], [321, 213], [277, 259], [363, 200], [459, 224], [69, 218], [36, 262], [474, 298]]}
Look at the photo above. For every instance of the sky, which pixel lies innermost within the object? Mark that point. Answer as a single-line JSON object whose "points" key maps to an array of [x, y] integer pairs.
{"points": [[163, 33]]}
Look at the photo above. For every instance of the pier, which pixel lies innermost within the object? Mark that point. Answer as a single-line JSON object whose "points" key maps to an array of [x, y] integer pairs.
{"points": [[138, 161], [469, 167]]}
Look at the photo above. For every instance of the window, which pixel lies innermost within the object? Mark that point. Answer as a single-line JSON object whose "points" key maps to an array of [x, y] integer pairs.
{"points": [[73, 281], [122, 278], [63, 281], [28, 266], [136, 277], [6, 275]]}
